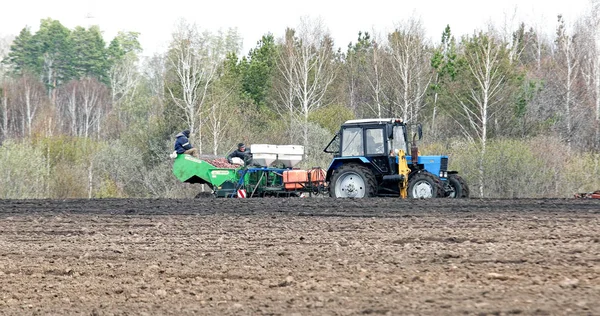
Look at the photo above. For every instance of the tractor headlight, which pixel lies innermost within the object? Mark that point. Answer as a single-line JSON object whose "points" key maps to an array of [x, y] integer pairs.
{"points": [[443, 174]]}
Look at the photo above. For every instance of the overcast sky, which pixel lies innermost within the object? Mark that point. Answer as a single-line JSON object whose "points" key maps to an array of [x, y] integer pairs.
{"points": [[155, 20]]}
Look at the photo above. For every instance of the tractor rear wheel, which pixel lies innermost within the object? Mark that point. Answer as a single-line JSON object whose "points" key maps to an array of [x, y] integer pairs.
{"points": [[352, 181], [460, 189], [424, 185]]}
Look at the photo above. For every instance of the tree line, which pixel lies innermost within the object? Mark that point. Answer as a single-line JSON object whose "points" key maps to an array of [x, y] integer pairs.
{"points": [[517, 111]]}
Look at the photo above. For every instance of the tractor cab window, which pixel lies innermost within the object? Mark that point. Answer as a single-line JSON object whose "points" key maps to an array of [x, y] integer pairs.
{"points": [[374, 141], [399, 142], [334, 145], [352, 142]]}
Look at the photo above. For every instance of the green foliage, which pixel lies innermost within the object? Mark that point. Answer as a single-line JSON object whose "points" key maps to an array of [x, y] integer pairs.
{"points": [[331, 117], [313, 153], [514, 171], [68, 160], [123, 44], [151, 140], [58, 54], [108, 189], [444, 58], [22, 55], [533, 168], [23, 171], [53, 52], [582, 173], [257, 70], [68, 181], [119, 166], [89, 55], [66, 149]]}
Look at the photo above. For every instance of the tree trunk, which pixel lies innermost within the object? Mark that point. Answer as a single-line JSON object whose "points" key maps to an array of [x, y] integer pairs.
{"points": [[481, 169], [90, 178], [28, 108], [568, 101], [597, 90], [4, 114]]}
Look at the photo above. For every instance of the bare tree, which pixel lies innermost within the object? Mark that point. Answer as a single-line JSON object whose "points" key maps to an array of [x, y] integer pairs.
{"points": [[370, 64], [590, 31], [223, 99], [124, 79], [67, 107], [82, 107], [31, 97], [567, 57], [221, 117], [308, 70], [485, 90], [154, 72], [377, 60], [5, 43], [287, 60], [411, 73], [194, 61]]}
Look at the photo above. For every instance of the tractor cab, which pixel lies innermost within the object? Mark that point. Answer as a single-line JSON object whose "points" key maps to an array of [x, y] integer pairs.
{"points": [[368, 137]]}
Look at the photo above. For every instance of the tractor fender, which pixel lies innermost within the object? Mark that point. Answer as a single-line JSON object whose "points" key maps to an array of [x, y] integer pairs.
{"points": [[338, 162]]}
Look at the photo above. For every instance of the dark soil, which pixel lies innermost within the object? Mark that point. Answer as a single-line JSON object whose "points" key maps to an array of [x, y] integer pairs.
{"points": [[300, 256]]}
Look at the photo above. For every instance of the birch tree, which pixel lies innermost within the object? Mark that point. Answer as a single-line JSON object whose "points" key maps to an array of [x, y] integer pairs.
{"points": [[411, 75], [194, 63], [4, 111], [288, 79], [569, 64], [365, 63], [123, 75], [375, 77], [30, 98], [5, 43], [590, 69], [124, 79], [308, 69], [154, 73], [223, 99], [94, 104], [83, 105], [67, 108], [485, 90]]}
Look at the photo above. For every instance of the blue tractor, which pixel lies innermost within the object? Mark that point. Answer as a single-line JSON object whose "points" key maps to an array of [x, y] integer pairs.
{"points": [[374, 157]]}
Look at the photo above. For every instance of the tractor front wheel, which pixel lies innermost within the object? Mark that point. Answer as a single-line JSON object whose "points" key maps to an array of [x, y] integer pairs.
{"points": [[460, 189], [424, 185], [352, 181]]}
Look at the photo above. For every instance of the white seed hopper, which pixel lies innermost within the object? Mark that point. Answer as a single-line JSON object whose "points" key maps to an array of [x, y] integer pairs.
{"points": [[268, 155]]}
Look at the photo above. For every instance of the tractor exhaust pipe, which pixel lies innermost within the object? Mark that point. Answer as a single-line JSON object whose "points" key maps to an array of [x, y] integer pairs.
{"points": [[414, 152]]}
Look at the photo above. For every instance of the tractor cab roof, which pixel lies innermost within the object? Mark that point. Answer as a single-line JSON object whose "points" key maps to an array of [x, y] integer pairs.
{"points": [[373, 121]]}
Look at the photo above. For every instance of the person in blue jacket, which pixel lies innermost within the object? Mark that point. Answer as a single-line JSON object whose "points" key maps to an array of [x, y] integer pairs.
{"points": [[183, 145]]}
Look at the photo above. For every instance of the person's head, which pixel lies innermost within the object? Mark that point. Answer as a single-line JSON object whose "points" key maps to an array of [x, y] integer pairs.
{"points": [[186, 133], [241, 147]]}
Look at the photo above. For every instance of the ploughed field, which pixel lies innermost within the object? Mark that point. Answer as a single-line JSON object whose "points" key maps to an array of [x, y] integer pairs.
{"points": [[300, 256]]}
